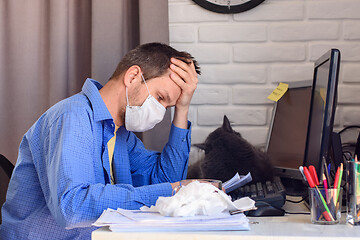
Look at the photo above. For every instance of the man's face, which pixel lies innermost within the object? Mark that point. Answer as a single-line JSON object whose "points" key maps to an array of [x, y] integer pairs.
{"points": [[162, 88]]}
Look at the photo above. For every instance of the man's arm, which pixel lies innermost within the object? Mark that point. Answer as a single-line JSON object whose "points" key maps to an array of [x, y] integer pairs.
{"points": [[185, 76], [73, 179], [150, 167]]}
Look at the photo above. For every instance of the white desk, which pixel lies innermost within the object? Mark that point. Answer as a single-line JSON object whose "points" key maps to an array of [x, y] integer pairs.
{"points": [[288, 227]]}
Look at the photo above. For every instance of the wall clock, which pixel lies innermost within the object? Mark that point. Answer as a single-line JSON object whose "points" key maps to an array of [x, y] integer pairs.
{"points": [[228, 6]]}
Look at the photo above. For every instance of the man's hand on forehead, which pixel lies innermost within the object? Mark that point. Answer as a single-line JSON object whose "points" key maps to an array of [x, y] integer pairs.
{"points": [[185, 76]]}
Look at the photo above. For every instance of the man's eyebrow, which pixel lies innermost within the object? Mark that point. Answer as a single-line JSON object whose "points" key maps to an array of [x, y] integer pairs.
{"points": [[167, 96]]}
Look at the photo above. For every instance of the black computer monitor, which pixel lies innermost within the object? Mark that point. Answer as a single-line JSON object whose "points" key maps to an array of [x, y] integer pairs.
{"points": [[322, 110], [288, 130], [302, 123]]}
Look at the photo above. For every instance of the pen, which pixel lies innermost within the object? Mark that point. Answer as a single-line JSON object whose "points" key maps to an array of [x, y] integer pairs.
{"points": [[326, 171], [326, 212], [336, 183], [314, 175], [308, 177], [326, 188], [301, 169], [310, 184], [323, 207]]}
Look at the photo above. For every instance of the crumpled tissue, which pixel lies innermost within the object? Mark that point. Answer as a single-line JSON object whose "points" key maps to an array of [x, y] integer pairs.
{"points": [[196, 199]]}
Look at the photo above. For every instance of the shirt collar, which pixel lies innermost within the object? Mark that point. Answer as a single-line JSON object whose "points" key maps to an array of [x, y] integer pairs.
{"points": [[91, 90]]}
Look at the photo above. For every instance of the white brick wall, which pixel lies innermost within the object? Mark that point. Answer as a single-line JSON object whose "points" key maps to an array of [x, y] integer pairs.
{"points": [[232, 33], [249, 116], [333, 9], [243, 57], [290, 72], [272, 52], [351, 73], [351, 30], [289, 10], [303, 31], [233, 74], [350, 51]]}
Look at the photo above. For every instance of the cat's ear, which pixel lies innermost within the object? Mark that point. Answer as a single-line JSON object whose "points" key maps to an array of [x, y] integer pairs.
{"points": [[226, 124], [200, 145]]}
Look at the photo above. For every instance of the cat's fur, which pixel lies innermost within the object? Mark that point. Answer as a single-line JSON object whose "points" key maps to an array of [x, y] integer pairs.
{"points": [[227, 152]]}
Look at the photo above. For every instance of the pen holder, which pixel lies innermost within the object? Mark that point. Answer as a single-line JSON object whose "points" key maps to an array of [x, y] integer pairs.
{"points": [[353, 192], [325, 205]]}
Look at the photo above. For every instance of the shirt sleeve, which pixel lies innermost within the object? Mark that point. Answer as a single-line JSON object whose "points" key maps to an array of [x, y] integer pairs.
{"points": [[69, 180], [150, 167]]}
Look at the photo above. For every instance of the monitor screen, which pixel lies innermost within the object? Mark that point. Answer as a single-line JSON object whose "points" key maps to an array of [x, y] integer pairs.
{"points": [[288, 131], [302, 121], [322, 110]]}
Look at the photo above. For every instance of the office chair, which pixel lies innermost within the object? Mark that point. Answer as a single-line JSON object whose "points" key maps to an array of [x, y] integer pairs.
{"points": [[5, 175], [6, 165]]}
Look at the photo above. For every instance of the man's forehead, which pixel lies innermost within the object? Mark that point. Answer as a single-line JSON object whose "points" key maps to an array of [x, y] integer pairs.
{"points": [[170, 91]]}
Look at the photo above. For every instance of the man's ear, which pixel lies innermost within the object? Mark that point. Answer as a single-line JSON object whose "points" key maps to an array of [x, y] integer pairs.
{"points": [[132, 75]]}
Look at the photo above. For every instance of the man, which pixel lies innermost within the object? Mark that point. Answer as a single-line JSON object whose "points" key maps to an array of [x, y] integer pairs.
{"points": [[81, 157]]}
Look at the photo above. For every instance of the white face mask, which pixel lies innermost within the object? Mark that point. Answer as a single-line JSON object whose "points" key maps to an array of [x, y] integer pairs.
{"points": [[145, 117]]}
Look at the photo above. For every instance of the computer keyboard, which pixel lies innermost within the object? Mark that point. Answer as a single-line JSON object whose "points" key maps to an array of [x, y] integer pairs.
{"points": [[272, 192]]}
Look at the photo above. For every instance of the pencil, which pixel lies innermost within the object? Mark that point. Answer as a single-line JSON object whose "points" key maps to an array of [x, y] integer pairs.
{"points": [[336, 183], [339, 183], [327, 212]]}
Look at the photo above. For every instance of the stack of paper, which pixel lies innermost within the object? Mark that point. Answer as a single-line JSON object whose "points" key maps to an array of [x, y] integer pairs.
{"points": [[148, 220], [236, 182], [137, 220]]}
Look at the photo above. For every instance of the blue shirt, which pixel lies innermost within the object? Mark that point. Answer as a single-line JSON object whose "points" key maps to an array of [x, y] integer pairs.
{"points": [[61, 181]]}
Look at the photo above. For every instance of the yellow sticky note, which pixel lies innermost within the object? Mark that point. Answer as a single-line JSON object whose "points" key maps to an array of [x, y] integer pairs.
{"points": [[323, 94], [278, 92]]}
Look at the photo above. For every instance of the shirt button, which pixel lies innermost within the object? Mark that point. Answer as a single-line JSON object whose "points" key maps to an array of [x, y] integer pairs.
{"points": [[183, 139], [112, 125]]}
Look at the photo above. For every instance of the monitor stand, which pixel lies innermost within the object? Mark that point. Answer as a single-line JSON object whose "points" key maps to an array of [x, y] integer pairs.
{"points": [[294, 187]]}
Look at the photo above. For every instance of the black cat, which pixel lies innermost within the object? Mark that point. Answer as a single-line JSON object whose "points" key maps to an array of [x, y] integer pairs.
{"points": [[227, 152]]}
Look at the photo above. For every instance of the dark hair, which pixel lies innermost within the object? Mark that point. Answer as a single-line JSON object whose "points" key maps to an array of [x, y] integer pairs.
{"points": [[153, 59]]}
